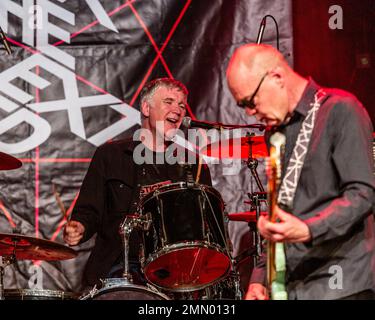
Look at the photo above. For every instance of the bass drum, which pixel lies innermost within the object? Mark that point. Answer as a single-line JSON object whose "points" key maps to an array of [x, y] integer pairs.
{"points": [[119, 289], [31, 294]]}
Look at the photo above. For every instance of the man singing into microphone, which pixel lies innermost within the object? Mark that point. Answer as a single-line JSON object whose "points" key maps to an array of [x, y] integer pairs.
{"points": [[327, 222], [114, 183]]}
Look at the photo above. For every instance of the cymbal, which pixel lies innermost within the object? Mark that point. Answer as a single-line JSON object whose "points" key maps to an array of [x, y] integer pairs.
{"points": [[7, 162], [237, 148], [29, 248], [247, 216]]}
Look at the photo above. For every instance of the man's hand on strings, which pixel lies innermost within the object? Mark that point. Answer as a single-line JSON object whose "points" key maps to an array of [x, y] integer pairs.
{"points": [[289, 228]]}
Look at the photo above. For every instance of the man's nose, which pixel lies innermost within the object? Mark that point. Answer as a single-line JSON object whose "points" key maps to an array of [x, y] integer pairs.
{"points": [[250, 112], [176, 110]]}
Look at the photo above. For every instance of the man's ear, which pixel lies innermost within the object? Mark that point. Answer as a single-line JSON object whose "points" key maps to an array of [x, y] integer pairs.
{"points": [[145, 109], [278, 74]]}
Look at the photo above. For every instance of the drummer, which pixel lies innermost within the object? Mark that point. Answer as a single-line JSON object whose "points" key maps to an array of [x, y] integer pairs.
{"points": [[115, 181]]}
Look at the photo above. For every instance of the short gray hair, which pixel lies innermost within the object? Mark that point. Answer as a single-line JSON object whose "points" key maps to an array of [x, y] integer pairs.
{"points": [[150, 88]]}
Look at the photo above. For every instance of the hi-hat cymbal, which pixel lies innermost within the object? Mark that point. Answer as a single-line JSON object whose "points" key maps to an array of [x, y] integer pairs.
{"points": [[7, 162], [29, 248], [247, 216], [237, 148]]}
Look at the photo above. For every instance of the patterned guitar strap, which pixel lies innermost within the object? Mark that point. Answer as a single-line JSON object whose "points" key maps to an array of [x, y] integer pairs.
{"points": [[290, 181], [293, 171]]}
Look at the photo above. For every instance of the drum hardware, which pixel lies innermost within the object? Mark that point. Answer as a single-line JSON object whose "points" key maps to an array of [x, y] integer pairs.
{"points": [[255, 201], [225, 289], [15, 247], [91, 293], [252, 164], [36, 294], [217, 223], [122, 289], [188, 170], [126, 227], [5, 261]]}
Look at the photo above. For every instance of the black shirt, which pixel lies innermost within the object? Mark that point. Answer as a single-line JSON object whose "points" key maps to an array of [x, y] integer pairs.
{"points": [[334, 197], [109, 191]]}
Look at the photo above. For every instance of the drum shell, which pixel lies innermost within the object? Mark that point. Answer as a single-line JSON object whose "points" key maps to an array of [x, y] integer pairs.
{"points": [[185, 246], [182, 215]]}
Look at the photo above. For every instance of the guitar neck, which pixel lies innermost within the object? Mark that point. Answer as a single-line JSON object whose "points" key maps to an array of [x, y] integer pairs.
{"points": [[274, 176]]}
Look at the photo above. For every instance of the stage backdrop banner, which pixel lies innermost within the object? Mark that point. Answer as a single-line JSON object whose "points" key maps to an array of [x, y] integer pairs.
{"points": [[72, 83]]}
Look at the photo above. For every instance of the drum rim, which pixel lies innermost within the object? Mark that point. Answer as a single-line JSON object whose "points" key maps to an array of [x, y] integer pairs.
{"points": [[122, 283], [40, 293], [180, 186], [184, 245]]}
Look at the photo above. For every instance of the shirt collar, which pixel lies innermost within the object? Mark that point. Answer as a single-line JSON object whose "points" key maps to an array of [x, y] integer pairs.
{"points": [[304, 104]]}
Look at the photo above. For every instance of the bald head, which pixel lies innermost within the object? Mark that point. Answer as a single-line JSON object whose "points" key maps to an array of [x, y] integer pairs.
{"points": [[252, 61], [262, 82]]}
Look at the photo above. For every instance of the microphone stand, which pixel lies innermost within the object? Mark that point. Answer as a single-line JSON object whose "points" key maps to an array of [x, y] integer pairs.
{"points": [[255, 201]]}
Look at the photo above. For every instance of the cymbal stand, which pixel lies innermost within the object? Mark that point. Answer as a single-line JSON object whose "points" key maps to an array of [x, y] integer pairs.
{"points": [[6, 261], [252, 164], [255, 200]]}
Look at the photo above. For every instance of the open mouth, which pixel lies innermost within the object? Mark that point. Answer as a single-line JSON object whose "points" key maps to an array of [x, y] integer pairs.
{"points": [[172, 120]]}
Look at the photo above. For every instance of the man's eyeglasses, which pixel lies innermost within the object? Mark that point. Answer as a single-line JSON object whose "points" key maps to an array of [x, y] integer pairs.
{"points": [[248, 102]]}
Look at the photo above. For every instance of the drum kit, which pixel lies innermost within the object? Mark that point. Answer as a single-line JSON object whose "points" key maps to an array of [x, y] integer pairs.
{"points": [[186, 252], [183, 256]]}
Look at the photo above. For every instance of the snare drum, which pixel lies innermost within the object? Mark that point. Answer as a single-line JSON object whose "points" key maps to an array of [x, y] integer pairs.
{"points": [[32, 294], [120, 289], [186, 244]]}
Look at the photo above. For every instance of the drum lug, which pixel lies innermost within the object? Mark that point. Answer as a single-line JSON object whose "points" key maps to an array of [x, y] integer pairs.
{"points": [[190, 184], [142, 255], [146, 221]]}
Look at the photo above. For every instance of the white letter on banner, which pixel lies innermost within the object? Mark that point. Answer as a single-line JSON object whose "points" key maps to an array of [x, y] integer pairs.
{"points": [[41, 132], [36, 279], [97, 8], [36, 17], [43, 45], [22, 70], [130, 119], [22, 12]]}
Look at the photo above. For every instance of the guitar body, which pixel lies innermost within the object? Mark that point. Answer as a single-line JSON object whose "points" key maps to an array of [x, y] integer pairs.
{"points": [[276, 262]]}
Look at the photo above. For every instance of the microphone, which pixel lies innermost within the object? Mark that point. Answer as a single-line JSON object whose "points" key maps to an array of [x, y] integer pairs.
{"points": [[261, 30], [5, 41], [187, 122]]}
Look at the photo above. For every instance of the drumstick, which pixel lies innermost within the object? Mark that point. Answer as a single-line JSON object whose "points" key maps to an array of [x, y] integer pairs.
{"points": [[59, 202], [199, 169]]}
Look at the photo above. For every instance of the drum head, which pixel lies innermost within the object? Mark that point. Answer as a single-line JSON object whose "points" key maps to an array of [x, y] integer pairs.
{"points": [[31, 294], [187, 267]]}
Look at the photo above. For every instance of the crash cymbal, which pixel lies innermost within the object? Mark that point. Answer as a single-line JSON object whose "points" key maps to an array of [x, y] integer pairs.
{"points": [[247, 216], [7, 162], [237, 148], [29, 248]]}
